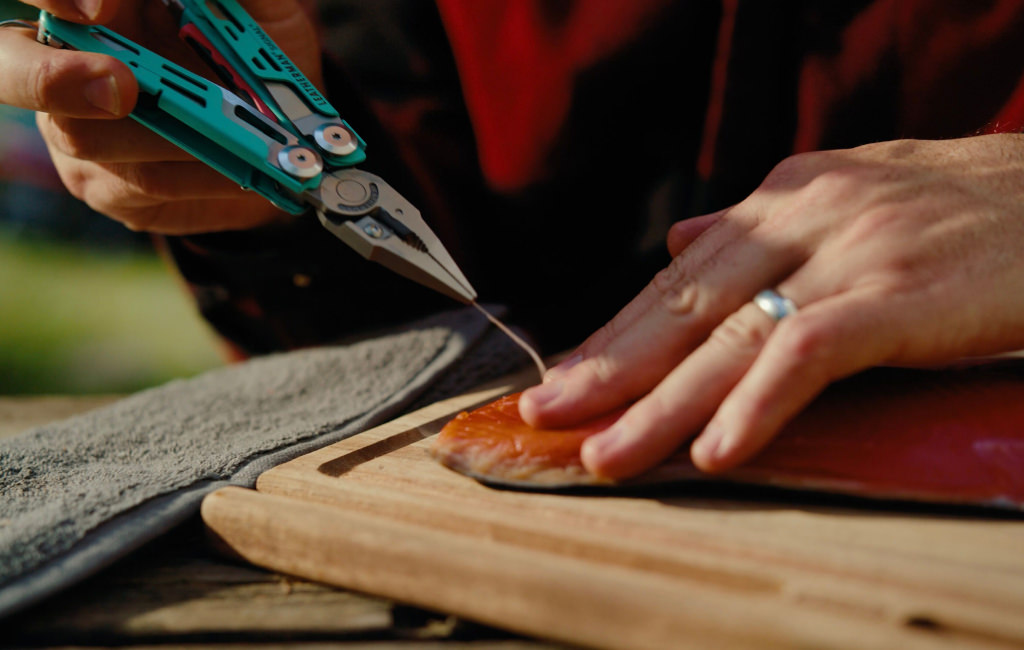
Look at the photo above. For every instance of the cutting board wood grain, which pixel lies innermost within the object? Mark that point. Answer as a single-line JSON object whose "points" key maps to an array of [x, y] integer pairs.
{"points": [[658, 569]]}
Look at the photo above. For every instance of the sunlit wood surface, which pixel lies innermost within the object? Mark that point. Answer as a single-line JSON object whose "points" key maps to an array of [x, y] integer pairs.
{"points": [[178, 592]]}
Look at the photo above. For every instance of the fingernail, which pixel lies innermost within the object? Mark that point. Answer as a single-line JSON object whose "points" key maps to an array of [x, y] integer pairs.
{"points": [[88, 8], [562, 368], [103, 94], [545, 393]]}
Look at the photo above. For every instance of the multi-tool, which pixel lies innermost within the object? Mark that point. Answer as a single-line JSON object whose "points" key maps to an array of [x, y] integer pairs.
{"points": [[270, 130]]}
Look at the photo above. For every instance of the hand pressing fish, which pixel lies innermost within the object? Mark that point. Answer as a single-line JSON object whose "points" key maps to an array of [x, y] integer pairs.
{"points": [[948, 436]]}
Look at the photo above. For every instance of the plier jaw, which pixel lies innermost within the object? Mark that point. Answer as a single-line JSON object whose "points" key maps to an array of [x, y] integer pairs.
{"points": [[381, 225]]}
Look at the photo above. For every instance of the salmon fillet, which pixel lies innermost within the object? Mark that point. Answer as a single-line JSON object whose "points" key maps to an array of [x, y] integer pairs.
{"points": [[494, 443], [950, 436]]}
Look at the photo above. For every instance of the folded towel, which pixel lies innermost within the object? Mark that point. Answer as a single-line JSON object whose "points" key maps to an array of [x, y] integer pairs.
{"points": [[81, 493]]}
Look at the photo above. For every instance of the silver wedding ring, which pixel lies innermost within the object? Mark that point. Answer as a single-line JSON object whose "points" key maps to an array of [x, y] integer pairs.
{"points": [[774, 305]]}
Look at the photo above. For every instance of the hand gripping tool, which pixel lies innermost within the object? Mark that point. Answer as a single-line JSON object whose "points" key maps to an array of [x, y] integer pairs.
{"points": [[270, 130]]}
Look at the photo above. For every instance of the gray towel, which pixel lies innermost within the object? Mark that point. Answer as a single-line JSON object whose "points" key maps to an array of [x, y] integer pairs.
{"points": [[79, 494]]}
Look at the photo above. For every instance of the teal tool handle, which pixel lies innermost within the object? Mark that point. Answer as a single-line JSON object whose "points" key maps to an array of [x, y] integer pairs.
{"points": [[237, 36], [206, 120], [264, 69]]}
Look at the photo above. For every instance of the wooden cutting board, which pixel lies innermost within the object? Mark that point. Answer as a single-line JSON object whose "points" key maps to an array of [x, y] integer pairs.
{"points": [[694, 567]]}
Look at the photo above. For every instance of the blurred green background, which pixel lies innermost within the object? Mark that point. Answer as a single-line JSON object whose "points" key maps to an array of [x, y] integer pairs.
{"points": [[76, 318], [86, 306]]}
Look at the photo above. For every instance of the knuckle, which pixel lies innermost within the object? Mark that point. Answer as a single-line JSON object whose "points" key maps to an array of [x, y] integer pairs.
{"points": [[603, 370], [789, 166], [71, 138], [145, 180], [788, 169], [597, 342], [134, 219], [42, 83], [133, 222], [97, 196], [598, 368], [104, 192], [75, 180], [606, 333], [800, 170], [74, 175], [670, 276], [805, 341], [678, 294], [837, 184], [742, 332]]}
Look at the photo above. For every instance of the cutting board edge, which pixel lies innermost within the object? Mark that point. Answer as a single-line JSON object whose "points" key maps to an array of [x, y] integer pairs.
{"points": [[233, 514]]}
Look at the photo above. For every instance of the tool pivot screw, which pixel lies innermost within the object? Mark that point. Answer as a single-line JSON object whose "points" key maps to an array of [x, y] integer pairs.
{"points": [[335, 139], [373, 230], [300, 162]]}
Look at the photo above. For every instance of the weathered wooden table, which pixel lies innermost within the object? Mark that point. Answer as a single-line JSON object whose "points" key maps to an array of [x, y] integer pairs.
{"points": [[177, 591], [748, 573]]}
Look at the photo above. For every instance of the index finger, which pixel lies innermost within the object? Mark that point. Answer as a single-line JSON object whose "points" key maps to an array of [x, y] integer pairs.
{"points": [[723, 269], [62, 82]]}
